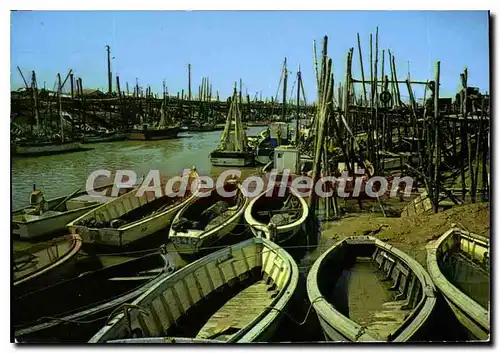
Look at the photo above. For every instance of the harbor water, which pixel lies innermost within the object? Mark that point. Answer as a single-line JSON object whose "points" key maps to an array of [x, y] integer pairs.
{"points": [[60, 175]]}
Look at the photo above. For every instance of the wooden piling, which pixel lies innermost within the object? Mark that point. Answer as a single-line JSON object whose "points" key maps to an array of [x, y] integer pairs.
{"points": [[110, 79], [189, 82], [437, 149], [362, 69]]}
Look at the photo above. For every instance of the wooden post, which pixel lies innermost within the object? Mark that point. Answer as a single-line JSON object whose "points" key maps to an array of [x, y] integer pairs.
{"points": [[119, 97], [189, 82], [59, 89], [82, 107], [375, 99], [485, 158], [383, 69], [365, 99], [71, 81], [323, 113], [285, 79], [479, 136], [110, 84], [315, 58], [468, 134], [437, 148], [375, 69], [393, 89], [413, 109], [298, 109], [395, 79], [34, 89], [371, 71]]}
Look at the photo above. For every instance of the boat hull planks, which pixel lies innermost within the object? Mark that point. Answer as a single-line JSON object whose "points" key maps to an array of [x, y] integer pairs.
{"points": [[218, 225], [53, 261], [28, 226], [473, 316], [78, 302], [145, 215], [185, 301], [365, 290]]}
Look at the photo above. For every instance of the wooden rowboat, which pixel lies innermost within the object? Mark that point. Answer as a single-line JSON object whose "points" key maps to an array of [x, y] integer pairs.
{"points": [[129, 218], [277, 217], [73, 310], [363, 289], [206, 219], [209, 298], [45, 263], [50, 217], [459, 264]]}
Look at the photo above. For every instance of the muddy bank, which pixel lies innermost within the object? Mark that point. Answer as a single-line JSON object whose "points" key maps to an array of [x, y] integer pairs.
{"points": [[410, 235]]}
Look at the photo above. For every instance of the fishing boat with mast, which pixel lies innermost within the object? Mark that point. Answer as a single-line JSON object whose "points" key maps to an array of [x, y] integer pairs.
{"points": [[42, 142], [279, 133], [233, 149], [166, 128]]}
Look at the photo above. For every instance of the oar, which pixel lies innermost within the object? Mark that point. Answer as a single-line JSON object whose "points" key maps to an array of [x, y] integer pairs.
{"points": [[67, 198]]}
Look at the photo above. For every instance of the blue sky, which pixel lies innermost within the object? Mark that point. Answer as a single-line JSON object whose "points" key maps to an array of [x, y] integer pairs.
{"points": [[251, 45]]}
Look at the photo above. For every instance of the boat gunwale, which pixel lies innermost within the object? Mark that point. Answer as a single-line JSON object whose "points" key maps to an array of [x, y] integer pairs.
{"points": [[61, 213], [249, 218], [93, 308], [349, 328], [164, 340], [117, 231], [249, 333], [465, 303], [68, 254]]}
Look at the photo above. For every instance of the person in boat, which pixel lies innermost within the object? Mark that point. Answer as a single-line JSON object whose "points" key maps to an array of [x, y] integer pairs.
{"points": [[193, 174], [38, 202]]}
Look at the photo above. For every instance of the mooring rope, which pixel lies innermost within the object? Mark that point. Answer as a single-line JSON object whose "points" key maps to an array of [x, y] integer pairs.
{"points": [[307, 313]]}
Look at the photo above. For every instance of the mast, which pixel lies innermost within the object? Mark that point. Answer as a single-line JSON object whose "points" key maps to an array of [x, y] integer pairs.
{"points": [[110, 84], [189, 82], [59, 90], [299, 81], [35, 99], [285, 74]]}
